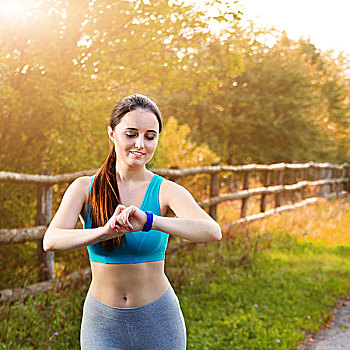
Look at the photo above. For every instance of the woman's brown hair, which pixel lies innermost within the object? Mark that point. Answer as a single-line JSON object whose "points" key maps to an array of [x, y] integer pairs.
{"points": [[104, 196]]}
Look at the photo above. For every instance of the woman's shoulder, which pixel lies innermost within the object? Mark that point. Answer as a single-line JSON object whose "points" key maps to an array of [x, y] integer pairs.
{"points": [[81, 187], [82, 184], [169, 189], [82, 181], [170, 185]]}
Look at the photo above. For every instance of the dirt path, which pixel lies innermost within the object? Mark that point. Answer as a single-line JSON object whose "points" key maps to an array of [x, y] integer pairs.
{"points": [[337, 336]]}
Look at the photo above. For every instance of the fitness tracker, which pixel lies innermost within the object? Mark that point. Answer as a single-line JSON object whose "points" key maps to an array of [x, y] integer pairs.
{"points": [[149, 222]]}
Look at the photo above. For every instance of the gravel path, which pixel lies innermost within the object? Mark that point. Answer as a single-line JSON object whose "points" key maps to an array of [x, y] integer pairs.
{"points": [[337, 336]]}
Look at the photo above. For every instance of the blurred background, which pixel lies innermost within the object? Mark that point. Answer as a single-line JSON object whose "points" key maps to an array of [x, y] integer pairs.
{"points": [[249, 81], [249, 90]]}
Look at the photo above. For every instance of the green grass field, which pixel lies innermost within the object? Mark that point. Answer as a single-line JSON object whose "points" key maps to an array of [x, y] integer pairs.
{"points": [[265, 287]]}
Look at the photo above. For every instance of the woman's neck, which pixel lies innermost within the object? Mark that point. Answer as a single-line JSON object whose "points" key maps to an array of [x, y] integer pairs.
{"points": [[131, 174]]}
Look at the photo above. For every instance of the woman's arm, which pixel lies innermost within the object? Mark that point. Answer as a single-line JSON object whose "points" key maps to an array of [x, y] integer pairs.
{"points": [[61, 234], [192, 222]]}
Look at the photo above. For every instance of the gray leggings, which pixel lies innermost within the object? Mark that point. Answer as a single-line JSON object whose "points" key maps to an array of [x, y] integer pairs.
{"points": [[156, 326]]}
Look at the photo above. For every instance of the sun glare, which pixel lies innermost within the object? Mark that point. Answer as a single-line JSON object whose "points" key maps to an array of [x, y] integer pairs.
{"points": [[11, 7]]}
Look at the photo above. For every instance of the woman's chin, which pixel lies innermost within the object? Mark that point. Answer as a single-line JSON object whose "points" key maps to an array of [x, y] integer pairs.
{"points": [[137, 161]]}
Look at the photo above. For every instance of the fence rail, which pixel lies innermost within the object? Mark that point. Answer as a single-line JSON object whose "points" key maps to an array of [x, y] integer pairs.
{"points": [[331, 180]]}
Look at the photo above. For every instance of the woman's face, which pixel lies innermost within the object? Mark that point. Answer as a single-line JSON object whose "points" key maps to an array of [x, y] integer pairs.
{"points": [[135, 137]]}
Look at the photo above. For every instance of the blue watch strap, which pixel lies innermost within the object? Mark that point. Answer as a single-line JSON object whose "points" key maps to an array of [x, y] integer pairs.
{"points": [[149, 222]]}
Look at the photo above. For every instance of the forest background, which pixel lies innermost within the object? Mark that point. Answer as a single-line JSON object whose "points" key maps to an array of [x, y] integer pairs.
{"points": [[227, 97]]}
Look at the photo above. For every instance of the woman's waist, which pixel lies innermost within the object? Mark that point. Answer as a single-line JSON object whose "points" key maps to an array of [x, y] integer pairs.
{"points": [[128, 285]]}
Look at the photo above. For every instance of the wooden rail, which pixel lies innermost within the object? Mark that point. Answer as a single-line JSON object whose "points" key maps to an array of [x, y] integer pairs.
{"points": [[277, 180]]}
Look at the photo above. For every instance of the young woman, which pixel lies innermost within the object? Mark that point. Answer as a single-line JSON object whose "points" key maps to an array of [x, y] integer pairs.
{"points": [[130, 304]]}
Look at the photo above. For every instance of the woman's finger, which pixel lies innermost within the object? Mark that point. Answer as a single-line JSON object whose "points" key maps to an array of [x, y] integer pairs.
{"points": [[119, 209], [127, 214], [112, 221], [121, 221], [119, 228]]}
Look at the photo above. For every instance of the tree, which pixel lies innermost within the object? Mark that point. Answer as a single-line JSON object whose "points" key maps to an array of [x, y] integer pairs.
{"points": [[64, 64]]}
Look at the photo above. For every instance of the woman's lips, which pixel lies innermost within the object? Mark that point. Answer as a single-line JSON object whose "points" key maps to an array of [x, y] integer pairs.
{"points": [[137, 154]]}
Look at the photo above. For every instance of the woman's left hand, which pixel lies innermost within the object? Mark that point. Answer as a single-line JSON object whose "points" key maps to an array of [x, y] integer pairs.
{"points": [[132, 218]]}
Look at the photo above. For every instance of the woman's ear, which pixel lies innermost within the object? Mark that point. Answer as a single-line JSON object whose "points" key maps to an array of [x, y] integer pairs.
{"points": [[110, 133]]}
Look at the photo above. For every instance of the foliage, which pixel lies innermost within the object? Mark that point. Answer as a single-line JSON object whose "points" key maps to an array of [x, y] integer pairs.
{"points": [[67, 62], [175, 149], [64, 64], [19, 271], [19, 264], [288, 104]]}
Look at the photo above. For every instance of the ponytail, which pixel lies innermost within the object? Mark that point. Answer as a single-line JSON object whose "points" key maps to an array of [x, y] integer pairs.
{"points": [[104, 199]]}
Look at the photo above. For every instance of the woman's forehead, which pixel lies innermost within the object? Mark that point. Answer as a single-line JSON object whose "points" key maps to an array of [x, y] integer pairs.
{"points": [[139, 119]]}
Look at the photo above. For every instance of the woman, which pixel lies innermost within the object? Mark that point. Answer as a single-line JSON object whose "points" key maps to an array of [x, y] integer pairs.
{"points": [[130, 303]]}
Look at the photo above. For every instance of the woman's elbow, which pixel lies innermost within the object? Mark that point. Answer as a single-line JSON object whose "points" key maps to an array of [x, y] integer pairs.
{"points": [[216, 233], [47, 246]]}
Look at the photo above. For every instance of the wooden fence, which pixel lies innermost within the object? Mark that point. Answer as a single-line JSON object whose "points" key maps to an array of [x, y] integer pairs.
{"points": [[276, 180]]}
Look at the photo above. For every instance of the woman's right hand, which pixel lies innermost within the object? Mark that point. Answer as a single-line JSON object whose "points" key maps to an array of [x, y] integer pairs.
{"points": [[113, 229]]}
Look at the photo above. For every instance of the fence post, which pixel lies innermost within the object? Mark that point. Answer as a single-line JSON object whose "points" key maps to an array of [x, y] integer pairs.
{"points": [[337, 186], [316, 177], [294, 181], [347, 174], [342, 185], [266, 183], [43, 218], [232, 184], [278, 181], [245, 200], [322, 176], [214, 191], [303, 178], [334, 186], [328, 186]]}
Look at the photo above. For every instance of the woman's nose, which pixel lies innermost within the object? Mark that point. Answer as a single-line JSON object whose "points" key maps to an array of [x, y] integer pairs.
{"points": [[139, 142]]}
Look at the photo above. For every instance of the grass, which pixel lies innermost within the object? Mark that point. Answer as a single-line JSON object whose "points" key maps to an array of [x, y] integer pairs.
{"points": [[266, 287], [283, 294], [18, 263], [326, 223]]}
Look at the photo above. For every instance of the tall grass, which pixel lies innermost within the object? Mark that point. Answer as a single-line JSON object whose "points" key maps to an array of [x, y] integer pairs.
{"points": [[327, 222]]}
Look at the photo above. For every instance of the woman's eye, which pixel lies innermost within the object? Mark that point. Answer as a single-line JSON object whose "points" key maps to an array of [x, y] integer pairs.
{"points": [[148, 137]]}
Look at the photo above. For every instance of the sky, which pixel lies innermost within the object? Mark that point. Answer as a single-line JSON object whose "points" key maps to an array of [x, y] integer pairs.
{"points": [[325, 22]]}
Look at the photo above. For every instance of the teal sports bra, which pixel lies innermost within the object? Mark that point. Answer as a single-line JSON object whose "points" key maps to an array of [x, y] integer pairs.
{"points": [[140, 246]]}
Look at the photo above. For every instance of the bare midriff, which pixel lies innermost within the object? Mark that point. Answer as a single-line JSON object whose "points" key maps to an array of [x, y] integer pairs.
{"points": [[128, 285]]}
